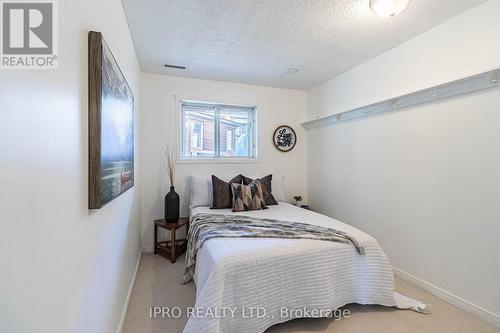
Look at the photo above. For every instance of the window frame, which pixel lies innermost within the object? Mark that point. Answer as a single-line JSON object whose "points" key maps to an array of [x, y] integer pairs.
{"points": [[217, 158]]}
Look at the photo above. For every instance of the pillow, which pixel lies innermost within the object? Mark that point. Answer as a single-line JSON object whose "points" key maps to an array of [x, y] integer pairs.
{"points": [[248, 197], [222, 194], [201, 192], [278, 188], [265, 182]]}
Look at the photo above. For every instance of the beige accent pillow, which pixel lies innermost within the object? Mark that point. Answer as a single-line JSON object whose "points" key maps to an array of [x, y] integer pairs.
{"points": [[248, 197]]}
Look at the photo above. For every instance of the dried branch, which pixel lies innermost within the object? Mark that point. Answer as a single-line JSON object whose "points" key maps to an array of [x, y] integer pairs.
{"points": [[171, 156]]}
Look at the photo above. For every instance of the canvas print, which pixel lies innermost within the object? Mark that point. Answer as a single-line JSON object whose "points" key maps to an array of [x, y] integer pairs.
{"points": [[116, 124]]}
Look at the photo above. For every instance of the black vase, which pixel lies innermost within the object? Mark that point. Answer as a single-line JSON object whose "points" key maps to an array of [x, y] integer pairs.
{"points": [[172, 203]]}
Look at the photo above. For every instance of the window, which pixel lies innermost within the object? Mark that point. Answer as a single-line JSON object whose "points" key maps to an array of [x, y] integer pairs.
{"points": [[197, 135], [229, 140], [217, 131]]}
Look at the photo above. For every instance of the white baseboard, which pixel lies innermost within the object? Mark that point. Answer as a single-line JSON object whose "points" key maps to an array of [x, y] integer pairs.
{"points": [[459, 302], [147, 249], [129, 295]]}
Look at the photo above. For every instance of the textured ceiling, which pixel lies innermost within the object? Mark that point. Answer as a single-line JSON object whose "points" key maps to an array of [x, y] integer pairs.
{"points": [[257, 41]]}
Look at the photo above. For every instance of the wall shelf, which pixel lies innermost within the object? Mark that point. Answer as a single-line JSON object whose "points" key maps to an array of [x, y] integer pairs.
{"points": [[483, 81]]}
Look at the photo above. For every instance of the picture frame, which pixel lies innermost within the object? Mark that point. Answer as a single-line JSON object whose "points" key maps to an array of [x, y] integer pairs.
{"points": [[111, 126], [284, 138]]}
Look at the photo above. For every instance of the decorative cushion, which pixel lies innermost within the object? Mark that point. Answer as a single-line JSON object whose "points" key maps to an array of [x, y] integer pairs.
{"points": [[201, 192], [278, 188], [266, 188], [248, 197], [222, 195]]}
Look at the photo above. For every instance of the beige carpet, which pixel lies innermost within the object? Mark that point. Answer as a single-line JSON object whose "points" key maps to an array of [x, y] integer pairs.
{"points": [[158, 284]]}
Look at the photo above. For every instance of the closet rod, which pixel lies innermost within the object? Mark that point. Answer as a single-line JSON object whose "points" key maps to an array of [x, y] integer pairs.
{"points": [[483, 81]]}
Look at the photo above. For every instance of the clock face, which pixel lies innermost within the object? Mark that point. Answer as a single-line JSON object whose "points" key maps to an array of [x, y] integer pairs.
{"points": [[284, 138]]}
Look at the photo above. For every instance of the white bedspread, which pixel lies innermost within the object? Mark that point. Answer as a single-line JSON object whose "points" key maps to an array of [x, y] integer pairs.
{"points": [[277, 274]]}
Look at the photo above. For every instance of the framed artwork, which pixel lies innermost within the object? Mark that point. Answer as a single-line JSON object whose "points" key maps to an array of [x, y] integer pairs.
{"points": [[111, 126], [284, 138]]}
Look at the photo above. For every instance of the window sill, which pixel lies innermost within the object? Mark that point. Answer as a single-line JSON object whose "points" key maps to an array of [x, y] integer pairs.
{"points": [[218, 161]]}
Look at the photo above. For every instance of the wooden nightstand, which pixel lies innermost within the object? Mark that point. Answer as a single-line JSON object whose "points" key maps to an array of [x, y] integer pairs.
{"points": [[173, 248]]}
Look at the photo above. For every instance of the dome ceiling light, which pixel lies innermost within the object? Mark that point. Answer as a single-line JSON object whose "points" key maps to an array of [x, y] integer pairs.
{"points": [[388, 8]]}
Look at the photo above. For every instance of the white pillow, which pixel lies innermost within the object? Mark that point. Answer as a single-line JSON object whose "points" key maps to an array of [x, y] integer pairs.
{"points": [[201, 192], [278, 188]]}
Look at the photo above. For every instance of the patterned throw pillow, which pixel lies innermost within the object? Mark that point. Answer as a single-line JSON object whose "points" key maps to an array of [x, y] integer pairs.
{"points": [[248, 197], [222, 194], [265, 182]]}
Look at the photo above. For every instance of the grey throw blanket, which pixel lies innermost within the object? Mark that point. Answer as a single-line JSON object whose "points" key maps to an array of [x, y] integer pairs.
{"points": [[205, 226]]}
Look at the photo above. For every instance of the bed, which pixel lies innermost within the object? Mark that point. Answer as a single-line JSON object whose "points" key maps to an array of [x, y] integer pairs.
{"points": [[276, 277]]}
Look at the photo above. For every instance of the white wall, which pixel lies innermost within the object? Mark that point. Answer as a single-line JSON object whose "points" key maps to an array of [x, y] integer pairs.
{"points": [[159, 121], [63, 268], [425, 182]]}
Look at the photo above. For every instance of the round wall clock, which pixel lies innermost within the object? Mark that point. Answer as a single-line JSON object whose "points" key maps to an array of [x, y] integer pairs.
{"points": [[284, 138]]}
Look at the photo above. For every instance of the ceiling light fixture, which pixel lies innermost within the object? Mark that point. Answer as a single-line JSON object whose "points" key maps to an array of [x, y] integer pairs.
{"points": [[292, 70], [388, 8]]}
